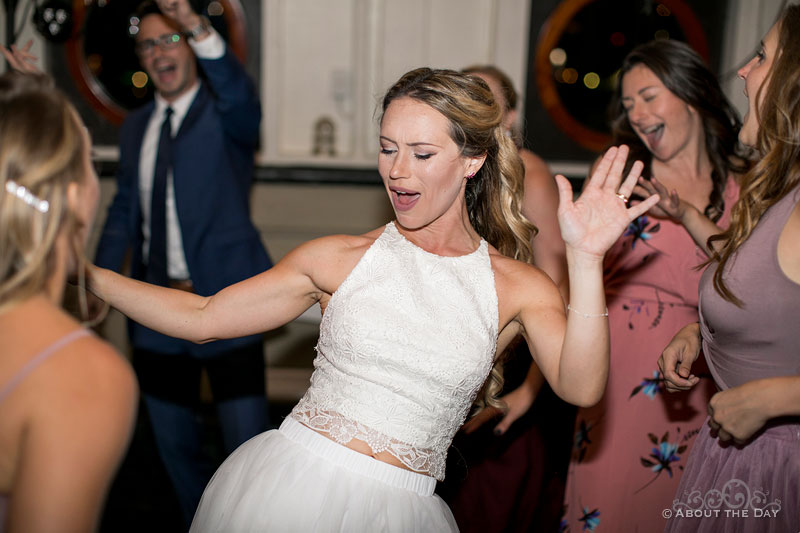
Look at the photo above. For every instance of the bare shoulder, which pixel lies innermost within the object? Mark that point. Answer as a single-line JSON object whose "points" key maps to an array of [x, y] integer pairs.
{"points": [[92, 364], [106, 361], [541, 191], [332, 246], [518, 274], [356, 243], [328, 260], [534, 165], [521, 285], [84, 396], [84, 369], [79, 409]]}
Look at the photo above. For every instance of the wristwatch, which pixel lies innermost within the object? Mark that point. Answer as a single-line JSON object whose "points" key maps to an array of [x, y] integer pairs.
{"points": [[201, 28]]}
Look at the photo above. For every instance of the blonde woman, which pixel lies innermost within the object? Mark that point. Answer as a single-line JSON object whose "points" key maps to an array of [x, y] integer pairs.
{"points": [[67, 399], [414, 313]]}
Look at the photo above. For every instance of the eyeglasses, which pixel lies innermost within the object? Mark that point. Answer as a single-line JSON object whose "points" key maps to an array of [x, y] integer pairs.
{"points": [[165, 42]]}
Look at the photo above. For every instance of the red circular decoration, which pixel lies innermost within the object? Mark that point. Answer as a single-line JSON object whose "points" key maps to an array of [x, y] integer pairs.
{"points": [[94, 92], [549, 36]]}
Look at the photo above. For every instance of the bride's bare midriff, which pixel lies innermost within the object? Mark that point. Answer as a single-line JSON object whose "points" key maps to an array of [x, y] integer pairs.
{"points": [[362, 447]]}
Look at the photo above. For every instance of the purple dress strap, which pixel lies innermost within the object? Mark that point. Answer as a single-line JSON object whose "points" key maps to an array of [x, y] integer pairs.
{"points": [[29, 367], [42, 356]]}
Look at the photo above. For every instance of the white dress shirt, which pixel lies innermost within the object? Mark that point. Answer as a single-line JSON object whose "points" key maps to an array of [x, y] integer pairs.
{"points": [[212, 47]]}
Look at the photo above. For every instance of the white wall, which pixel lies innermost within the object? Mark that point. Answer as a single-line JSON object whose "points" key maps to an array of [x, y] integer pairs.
{"points": [[747, 23], [23, 17], [336, 58]]}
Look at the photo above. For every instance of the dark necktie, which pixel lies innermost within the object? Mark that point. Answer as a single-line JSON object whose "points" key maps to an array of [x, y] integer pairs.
{"points": [[157, 258]]}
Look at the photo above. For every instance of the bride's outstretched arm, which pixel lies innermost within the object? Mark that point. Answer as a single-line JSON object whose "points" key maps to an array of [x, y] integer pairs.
{"points": [[261, 303]]}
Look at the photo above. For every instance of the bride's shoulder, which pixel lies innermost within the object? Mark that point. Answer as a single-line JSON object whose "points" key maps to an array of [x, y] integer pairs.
{"points": [[516, 278], [506, 267], [344, 243], [329, 260], [333, 249]]}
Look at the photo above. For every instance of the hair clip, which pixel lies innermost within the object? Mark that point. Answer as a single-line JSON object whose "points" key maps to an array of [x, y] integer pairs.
{"points": [[27, 196]]}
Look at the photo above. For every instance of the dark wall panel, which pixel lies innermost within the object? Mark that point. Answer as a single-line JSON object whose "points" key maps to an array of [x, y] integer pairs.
{"points": [[591, 35]]}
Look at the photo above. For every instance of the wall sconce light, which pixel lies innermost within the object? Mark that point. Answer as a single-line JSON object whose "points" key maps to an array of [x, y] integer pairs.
{"points": [[53, 19]]}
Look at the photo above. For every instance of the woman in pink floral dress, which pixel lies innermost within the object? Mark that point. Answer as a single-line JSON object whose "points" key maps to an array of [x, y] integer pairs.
{"points": [[629, 450]]}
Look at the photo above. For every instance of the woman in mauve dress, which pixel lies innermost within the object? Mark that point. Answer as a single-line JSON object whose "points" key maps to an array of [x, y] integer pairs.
{"points": [[743, 474]]}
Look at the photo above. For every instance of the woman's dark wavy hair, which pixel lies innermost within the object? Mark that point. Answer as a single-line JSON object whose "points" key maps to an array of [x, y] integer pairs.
{"points": [[683, 73]]}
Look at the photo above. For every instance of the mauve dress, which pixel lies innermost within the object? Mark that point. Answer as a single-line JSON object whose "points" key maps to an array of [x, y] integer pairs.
{"points": [[755, 487], [629, 450]]}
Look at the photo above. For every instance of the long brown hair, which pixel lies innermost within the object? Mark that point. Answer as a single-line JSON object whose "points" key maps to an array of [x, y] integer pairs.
{"points": [[684, 74], [494, 195], [777, 170]]}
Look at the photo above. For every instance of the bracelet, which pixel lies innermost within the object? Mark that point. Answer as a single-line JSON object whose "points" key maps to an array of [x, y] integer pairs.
{"points": [[586, 315]]}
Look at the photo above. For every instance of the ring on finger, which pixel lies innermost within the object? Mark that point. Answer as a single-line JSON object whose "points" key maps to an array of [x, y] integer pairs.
{"points": [[622, 197]]}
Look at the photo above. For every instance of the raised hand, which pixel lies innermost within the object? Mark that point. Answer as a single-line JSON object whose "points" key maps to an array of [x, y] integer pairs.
{"points": [[21, 59], [677, 358], [598, 217], [669, 205], [180, 11]]}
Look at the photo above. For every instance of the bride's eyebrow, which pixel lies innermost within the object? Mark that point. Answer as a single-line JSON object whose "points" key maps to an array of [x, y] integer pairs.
{"points": [[420, 143]]}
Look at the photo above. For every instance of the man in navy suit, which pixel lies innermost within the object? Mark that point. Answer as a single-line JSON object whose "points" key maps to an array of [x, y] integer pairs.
{"points": [[182, 211]]}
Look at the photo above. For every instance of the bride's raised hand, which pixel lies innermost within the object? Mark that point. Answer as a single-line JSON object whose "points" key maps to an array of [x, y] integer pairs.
{"points": [[593, 222]]}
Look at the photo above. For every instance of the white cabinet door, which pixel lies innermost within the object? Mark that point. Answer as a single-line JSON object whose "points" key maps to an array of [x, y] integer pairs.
{"points": [[310, 61], [327, 62]]}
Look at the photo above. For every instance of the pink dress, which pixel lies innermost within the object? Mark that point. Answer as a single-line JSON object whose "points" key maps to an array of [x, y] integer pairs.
{"points": [[630, 449]]}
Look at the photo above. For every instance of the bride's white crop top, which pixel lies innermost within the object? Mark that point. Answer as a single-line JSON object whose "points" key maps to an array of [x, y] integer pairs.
{"points": [[405, 344]]}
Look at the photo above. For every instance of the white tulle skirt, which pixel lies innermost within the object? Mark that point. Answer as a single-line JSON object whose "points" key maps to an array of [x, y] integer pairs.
{"points": [[294, 479]]}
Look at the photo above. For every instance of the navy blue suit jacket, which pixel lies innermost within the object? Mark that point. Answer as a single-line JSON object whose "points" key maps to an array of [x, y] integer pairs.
{"points": [[212, 172]]}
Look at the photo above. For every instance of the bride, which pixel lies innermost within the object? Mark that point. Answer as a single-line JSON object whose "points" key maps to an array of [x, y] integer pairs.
{"points": [[414, 314]]}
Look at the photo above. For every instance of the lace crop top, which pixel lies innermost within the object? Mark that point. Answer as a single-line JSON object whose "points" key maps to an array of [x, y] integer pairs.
{"points": [[405, 345]]}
